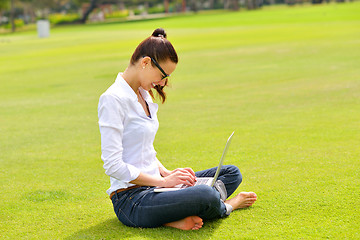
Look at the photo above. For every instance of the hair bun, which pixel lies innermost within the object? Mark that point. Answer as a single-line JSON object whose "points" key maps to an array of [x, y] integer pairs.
{"points": [[159, 32]]}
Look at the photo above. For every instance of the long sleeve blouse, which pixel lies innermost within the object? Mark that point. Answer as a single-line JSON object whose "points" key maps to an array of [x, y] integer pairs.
{"points": [[127, 134]]}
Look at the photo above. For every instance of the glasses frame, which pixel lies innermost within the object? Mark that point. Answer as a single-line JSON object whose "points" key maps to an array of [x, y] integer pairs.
{"points": [[165, 75]]}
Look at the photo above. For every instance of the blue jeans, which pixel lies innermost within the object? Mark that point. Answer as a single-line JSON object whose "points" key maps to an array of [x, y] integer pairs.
{"points": [[142, 207]]}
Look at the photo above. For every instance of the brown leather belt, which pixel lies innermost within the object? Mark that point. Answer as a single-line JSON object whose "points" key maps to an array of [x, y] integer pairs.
{"points": [[123, 189]]}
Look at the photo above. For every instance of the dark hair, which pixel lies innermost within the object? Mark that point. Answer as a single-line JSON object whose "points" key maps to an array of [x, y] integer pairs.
{"points": [[159, 48]]}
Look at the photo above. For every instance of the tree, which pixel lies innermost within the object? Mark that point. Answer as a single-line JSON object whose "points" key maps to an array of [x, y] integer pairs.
{"points": [[92, 6], [166, 5], [235, 5], [4, 4], [12, 15], [183, 5], [43, 6]]}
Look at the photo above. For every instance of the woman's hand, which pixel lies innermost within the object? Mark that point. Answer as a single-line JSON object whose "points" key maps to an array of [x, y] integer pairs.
{"points": [[179, 176], [173, 178]]}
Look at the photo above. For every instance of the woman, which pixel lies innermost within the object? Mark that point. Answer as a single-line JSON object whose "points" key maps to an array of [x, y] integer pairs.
{"points": [[128, 124]]}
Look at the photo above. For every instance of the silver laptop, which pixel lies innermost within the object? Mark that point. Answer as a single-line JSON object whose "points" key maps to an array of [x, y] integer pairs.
{"points": [[210, 181]]}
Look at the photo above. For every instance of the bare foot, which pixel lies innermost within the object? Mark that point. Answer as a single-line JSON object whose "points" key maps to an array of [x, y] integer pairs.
{"points": [[242, 200], [188, 223]]}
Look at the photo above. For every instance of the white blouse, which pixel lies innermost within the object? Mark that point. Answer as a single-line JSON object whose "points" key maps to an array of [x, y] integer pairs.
{"points": [[127, 134]]}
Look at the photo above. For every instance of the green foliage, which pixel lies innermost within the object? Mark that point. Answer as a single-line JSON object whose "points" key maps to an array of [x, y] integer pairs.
{"points": [[117, 14], [138, 11], [59, 18], [4, 4], [18, 24], [157, 9], [286, 79]]}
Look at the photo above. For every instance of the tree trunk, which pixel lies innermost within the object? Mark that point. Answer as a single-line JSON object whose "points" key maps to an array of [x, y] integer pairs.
{"points": [[211, 4], [250, 4], [93, 5], [12, 16], [166, 6], [227, 4], [235, 5], [194, 6], [183, 5]]}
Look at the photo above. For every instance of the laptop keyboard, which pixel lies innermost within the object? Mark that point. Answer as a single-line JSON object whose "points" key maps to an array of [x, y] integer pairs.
{"points": [[201, 181]]}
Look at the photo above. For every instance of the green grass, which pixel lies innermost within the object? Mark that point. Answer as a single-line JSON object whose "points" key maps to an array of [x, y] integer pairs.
{"points": [[286, 79]]}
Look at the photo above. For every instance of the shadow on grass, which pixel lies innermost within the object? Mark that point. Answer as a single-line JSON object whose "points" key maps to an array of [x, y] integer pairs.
{"points": [[113, 229]]}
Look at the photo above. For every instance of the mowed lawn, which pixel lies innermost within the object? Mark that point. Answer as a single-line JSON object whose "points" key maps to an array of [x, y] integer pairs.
{"points": [[285, 79]]}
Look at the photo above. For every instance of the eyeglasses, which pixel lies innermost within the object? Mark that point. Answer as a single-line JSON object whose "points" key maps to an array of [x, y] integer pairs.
{"points": [[165, 75]]}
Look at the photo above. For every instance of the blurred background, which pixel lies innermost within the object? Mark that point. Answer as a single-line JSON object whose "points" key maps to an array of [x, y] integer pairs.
{"points": [[19, 15]]}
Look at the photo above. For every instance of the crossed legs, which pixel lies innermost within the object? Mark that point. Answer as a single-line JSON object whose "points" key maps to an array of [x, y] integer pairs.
{"points": [[242, 200], [232, 178], [185, 209]]}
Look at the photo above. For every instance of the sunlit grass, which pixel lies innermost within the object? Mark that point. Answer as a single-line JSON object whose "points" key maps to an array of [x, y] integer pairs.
{"points": [[286, 79]]}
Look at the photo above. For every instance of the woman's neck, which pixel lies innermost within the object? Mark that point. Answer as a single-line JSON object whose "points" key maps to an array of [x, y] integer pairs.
{"points": [[130, 76]]}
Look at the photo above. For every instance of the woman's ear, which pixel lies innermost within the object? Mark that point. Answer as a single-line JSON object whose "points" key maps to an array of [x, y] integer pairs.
{"points": [[145, 61]]}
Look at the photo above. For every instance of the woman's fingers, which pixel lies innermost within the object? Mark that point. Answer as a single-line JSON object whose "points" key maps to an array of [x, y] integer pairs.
{"points": [[181, 177], [186, 171], [187, 177], [190, 171]]}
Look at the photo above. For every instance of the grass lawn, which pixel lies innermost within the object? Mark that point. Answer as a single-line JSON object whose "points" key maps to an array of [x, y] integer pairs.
{"points": [[286, 79]]}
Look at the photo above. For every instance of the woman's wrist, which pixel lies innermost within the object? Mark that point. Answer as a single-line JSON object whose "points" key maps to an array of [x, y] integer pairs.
{"points": [[163, 182], [164, 172], [147, 180]]}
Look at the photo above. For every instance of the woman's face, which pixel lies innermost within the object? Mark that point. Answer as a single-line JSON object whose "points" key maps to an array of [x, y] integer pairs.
{"points": [[152, 75]]}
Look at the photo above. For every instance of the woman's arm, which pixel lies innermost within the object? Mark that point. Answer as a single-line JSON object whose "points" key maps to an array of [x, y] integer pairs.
{"points": [[178, 176], [168, 179], [147, 180], [111, 113]]}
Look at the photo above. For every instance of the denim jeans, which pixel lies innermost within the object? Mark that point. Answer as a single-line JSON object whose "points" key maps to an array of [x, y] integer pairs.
{"points": [[142, 207]]}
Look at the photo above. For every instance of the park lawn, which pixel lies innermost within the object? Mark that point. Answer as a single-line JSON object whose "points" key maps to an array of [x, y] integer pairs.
{"points": [[285, 79]]}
